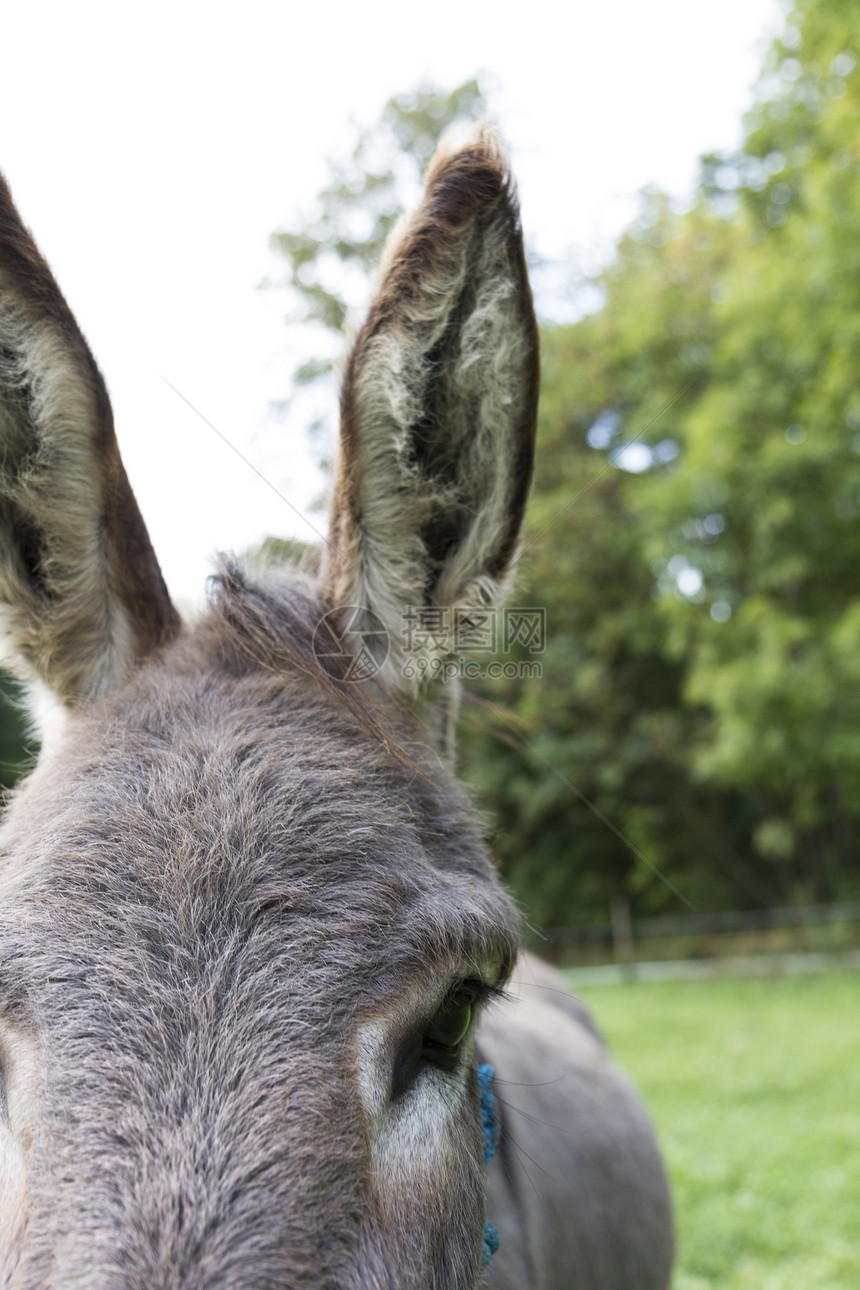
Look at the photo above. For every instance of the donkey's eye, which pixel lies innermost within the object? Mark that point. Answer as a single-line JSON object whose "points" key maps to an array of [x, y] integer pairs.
{"points": [[440, 1043]]}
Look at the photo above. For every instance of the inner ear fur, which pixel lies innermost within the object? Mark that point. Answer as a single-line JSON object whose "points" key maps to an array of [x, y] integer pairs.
{"points": [[438, 410], [82, 598]]}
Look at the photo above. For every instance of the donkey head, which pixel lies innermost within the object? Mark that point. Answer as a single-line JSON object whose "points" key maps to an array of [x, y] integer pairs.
{"points": [[246, 918]]}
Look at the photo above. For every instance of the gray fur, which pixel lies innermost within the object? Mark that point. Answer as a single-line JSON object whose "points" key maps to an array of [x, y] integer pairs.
{"points": [[238, 888]]}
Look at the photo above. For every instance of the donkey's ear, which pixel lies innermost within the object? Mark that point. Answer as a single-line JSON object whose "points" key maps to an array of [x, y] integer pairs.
{"points": [[437, 418], [82, 598]]}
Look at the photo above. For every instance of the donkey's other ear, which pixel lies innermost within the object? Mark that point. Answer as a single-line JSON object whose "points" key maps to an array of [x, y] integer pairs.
{"points": [[437, 417], [82, 598]]}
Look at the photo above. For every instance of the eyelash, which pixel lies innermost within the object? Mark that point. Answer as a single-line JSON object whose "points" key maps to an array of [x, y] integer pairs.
{"points": [[425, 1048]]}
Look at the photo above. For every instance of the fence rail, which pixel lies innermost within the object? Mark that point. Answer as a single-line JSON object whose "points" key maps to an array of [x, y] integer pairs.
{"points": [[626, 940]]}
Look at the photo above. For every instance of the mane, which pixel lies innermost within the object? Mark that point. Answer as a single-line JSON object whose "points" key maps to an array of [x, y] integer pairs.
{"points": [[279, 623]]}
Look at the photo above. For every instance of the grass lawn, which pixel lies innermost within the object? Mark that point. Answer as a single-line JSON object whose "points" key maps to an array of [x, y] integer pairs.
{"points": [[754, 1086]]}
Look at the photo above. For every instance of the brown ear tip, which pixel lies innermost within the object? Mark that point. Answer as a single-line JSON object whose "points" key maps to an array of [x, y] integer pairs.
{"points": [[476, 145], [479, 137], [470, 168], [8, 214]]}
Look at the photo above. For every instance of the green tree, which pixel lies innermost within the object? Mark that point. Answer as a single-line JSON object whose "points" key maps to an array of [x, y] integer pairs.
{"points": [[772, 451], [591, 784], [705, 699], [16, 746]]}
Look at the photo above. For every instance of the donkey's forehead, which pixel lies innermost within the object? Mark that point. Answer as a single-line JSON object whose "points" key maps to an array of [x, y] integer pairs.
{"points": [[203, 808]]}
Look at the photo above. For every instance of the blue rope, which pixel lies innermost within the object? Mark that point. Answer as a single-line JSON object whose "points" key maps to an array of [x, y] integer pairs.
{"points": [[491, 1243], [491, 1124]]}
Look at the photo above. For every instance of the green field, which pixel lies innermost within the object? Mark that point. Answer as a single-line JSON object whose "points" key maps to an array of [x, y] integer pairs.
{"points": [[755, 1089]]}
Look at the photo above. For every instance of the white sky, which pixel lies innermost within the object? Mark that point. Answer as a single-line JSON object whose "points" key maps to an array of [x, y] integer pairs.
{"points": [[153, 149]]}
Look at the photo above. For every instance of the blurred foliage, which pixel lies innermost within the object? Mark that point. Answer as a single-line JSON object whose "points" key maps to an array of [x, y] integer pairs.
{"points": [[701, 680], [16, 747]]}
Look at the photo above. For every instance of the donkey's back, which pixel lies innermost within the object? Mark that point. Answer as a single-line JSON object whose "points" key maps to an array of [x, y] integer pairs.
{"points": [[248, 924]]}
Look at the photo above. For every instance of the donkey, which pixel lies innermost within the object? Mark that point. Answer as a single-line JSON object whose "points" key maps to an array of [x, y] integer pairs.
{"points": [[252, 946]]}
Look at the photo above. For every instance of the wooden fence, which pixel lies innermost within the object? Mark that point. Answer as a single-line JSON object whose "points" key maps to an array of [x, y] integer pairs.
{"points": [[627, 942]]}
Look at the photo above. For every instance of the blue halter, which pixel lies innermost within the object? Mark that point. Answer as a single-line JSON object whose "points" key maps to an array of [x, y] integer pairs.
{"points": [[491, 1123]]}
